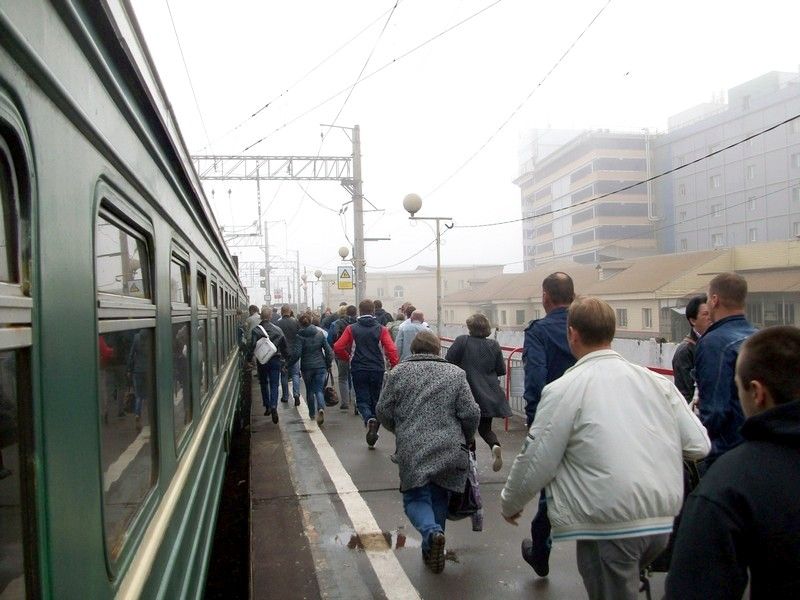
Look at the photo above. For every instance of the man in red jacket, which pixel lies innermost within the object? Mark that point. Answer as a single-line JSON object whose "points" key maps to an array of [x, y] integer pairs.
{"points": [[367, 364]]}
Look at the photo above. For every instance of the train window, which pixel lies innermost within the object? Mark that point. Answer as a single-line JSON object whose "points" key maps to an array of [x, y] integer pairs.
{"points": [[202, 290], [120, 258], [8, 253], [213, 333], [179, 281], [181, 383], [127, 373], [202, 334]]}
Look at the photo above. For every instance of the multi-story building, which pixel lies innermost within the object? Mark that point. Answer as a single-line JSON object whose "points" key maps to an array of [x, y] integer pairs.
{"points": [[561, 219], [746, 194]]}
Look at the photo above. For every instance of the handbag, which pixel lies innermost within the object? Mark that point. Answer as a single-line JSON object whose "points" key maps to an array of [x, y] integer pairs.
{"points": [[264, 349], [331, 397], [468, 502]]}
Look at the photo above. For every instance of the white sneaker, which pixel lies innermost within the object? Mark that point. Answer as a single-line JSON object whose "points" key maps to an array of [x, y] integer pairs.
{"points": [[320, 417], [498, 458]]}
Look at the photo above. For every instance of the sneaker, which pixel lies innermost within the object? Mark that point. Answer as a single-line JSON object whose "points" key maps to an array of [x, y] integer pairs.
{"points": [[498, 458], [372, 432], [285, 399], [538, 558], [275, 415], [297, 400], [320, 417], [266, 411], [434, 558]]}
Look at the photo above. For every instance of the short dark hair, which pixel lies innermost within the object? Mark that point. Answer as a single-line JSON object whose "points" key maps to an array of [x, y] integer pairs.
{"points": [[252, 309], [771, 356], [409, 309], [366, 307], [351, 310], [731, 289], [425, 342], [593, 319], [286, 310], [559, 288], [378, 304], [304, 319], [478, 325], [693, 306]]}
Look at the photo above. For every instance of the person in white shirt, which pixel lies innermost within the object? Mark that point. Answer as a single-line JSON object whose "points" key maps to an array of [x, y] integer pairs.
{"points": [[607, 445]]}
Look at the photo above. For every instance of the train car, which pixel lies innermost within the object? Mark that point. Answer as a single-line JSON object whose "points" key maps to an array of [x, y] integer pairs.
{"points": [[119, 362]]}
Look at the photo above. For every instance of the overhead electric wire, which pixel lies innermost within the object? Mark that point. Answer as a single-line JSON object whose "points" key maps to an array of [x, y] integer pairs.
{"points": [[637, 183], [189, 77], [375, 72], [417, 253], [521, 104]]}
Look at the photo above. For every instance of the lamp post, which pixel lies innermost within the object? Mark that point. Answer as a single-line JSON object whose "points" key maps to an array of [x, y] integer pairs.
{"points": [[413, 203], [317, 274]]}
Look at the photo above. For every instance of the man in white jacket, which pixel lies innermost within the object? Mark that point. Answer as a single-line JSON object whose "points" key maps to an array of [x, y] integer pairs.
{"points": [[607, 444]]}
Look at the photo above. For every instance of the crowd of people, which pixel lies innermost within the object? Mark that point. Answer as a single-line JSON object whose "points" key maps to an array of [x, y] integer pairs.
{"points": [[608, 444]]}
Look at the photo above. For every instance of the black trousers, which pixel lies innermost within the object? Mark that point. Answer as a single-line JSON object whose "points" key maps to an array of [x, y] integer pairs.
{"points": [[485, 431]]}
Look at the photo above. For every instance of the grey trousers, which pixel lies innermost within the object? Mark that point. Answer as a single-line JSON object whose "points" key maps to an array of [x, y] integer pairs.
{"points": [[343, 377], [610, 568]]}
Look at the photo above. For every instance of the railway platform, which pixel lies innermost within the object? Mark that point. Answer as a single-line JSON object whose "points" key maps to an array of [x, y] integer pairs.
{"points": [[327, 520]]}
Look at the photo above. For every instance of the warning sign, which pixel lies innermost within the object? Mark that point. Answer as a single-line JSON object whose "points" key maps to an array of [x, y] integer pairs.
{"points": [[344, 278]]}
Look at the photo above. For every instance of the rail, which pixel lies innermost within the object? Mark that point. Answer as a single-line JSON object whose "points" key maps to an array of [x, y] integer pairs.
{"points": [[513, 382]]}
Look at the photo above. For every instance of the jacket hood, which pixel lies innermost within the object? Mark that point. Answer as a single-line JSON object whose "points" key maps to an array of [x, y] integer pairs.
{"points": [[368, 321], [780, 425]]}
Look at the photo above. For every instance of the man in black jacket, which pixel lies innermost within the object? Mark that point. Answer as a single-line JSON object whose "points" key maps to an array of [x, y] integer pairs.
{"points": [[289, 326], [269, 374], [683, 360], [745, 514]]}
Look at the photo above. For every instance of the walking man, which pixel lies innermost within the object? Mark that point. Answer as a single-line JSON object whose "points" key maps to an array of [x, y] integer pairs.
{"points": [[342, 366], [607, 444], [545, 356], [683, 360], [289, 326], [408, 331], [367, 366], [715, 363], [744, 515]]}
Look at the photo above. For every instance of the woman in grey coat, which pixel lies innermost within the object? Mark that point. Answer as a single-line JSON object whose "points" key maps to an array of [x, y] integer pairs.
{"points": [[482, 360], [428, 405]]}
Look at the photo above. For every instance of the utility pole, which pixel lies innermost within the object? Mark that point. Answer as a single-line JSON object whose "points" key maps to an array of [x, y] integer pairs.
{"points": [[359, 262], [297, 281], [267, 294]]}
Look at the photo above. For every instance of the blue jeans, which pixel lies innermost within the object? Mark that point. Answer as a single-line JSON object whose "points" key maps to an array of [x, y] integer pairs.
{"points": [[269, 376], [426, 508], [294, 372], [315, 382], [367, 385]]}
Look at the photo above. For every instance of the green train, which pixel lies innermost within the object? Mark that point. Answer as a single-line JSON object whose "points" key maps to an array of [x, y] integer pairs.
{"points": [[120, 371]]}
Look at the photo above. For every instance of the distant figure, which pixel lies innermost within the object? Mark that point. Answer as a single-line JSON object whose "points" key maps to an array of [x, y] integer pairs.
{"points": [[311, 349], [383, 317], [683, 360], [289, 326], [546, 355], [367, 366], [394, 326], [141, 368], [328, 317], [745, 515], [252, 320], [275, 316], [407, 331], [482, 360], [269, 374], [428, 405], [607, 444], [348, 317], [715, 363]]}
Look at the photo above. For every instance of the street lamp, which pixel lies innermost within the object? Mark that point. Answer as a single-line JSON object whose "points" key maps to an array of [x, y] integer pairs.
{"points": [[413, 203], [317, 274]]}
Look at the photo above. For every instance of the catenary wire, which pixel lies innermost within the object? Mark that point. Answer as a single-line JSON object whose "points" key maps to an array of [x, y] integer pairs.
{"points": [[521, 104], [372, 73], [637, 183]]}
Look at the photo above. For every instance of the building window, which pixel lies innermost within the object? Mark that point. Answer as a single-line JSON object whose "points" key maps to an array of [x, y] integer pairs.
{"points": [[503, 318], [796, 229], [379, 293], [751, 171], [796, 160], [752, 234], [716, 210], [751, 202], [521, 317], [647, 318], [716, 240], [715, 182], [794, 126], [682, 189], [537, 314], [622, 317], [398, 291], [682, 216], [684, 245], [796, 195]]}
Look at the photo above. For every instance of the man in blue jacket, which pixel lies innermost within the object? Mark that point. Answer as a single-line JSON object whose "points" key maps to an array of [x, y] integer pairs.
{"points": [[715, 364], [545, 355]]}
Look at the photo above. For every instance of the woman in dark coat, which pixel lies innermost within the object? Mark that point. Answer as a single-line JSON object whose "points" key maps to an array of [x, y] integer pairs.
{"points": [[427, 404], [315, 356], [482, 360]]}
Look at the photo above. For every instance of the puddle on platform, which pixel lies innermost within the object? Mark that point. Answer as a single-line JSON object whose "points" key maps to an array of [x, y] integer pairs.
{"points": [[378, 541]]}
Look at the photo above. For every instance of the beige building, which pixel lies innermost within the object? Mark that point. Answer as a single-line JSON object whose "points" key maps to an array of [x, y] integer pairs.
{"points": [[394, 288], [648, 294]]}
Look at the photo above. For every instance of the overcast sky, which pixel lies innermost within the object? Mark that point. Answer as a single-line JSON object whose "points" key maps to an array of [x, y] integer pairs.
{"points": [[426, 114]]}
